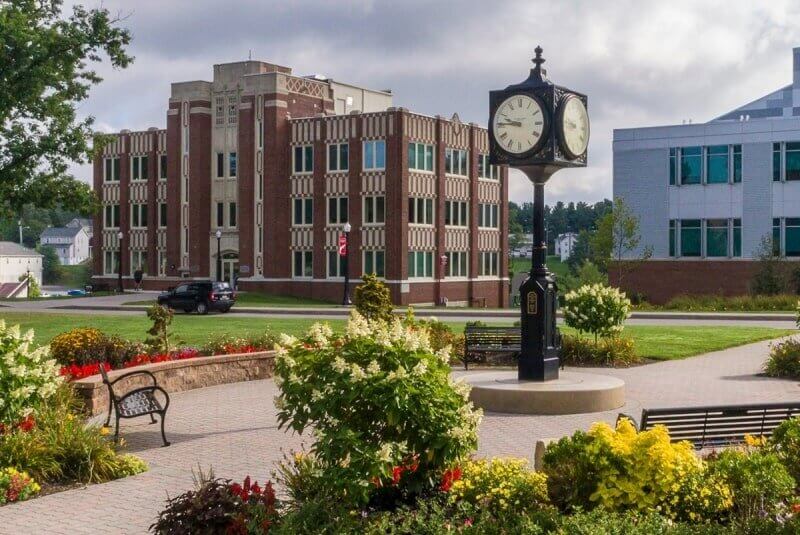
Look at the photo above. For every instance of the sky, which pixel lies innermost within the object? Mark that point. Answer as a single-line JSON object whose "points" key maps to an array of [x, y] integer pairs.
{"points": [[641, 63]]}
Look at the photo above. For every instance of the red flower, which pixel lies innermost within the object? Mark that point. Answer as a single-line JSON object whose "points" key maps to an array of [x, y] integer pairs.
{"points": [[796, 508], [397, 473], [468, 522], [27, 424], [450, 476]]}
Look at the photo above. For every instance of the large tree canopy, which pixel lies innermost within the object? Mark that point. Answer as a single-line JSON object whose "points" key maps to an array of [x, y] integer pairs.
{"points": [[46, 61]]}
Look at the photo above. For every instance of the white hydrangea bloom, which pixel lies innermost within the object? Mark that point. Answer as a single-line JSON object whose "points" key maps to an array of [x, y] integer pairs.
{"points": [[357, 372], [373, 368], [357, 326], [339, 365], [287, 340], [420, 368]]}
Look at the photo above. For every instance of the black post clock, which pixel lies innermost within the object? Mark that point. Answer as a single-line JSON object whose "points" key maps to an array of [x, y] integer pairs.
{"points": [[539, 128]]}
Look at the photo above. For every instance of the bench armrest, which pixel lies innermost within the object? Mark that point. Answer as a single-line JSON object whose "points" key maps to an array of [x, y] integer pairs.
{"points": [[136, 372], [622, 415]]}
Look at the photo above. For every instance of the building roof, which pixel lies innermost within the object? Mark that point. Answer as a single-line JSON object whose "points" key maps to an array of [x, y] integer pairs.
{"points": [[9, 248], [60, 232], [82, 221]]}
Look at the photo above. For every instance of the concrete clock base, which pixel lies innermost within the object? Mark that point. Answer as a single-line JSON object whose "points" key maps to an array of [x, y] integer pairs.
{"points": [[571, 393]]}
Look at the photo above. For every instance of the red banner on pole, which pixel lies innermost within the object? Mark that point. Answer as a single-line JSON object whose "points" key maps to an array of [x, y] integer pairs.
{"points": [[343, 245]]}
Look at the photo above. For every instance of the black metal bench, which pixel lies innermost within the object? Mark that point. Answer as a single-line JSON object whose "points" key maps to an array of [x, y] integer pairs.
{"points": [[490, 340], [138, 402], [718, 426]]}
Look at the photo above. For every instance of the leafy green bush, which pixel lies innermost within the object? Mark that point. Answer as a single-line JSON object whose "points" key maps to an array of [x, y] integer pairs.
{"points": [[582, 351], [34, 290], [84, 345], [586, 275], [784, 359], [785, 442], [760, 484], [622, 469], [28, 377], [596, 309], [60, 447], [500, 486], [373, 299], [159, 339], [379, 401], [721, 303], [221, 344]]}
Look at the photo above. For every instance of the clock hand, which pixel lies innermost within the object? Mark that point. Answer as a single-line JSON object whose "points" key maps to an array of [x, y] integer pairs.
{"points": [[510, 123]]}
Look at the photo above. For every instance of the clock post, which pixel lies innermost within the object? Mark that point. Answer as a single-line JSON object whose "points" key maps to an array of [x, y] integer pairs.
{"points": [[539, 128]]}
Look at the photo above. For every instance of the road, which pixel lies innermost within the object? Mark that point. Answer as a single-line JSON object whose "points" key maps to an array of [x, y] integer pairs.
{"points": [[115, 304]]}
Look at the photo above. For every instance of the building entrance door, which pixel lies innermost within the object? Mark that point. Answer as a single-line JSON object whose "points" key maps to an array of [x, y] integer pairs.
{"points": [[230, 268]]}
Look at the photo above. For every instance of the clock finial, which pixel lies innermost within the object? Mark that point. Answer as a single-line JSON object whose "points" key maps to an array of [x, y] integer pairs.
{"points": [[538, 60]]}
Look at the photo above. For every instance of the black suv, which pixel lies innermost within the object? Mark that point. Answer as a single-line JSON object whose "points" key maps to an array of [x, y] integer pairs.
{"points": [[199, 297]]}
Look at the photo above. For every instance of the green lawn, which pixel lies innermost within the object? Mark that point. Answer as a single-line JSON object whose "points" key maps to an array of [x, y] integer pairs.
{"points": [[678, 342], [554, 264], [653, 342]]}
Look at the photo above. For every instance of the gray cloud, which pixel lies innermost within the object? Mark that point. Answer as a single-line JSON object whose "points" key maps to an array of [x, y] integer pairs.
{"points": [[641, 63]]}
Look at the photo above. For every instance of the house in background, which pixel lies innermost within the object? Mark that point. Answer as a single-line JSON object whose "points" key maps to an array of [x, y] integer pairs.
{"points": [[88, 226], [70, 243], [15, 262], [564, 245]]}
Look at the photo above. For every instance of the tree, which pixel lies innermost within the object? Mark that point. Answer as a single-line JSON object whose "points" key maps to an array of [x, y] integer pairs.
{"points": [[159, 339], [45, 70], [770, 277], [373, 299], [618, 240], [50, 265]]}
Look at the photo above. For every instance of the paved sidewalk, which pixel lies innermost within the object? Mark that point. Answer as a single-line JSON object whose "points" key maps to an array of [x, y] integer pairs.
{"points": [[233, 428]]}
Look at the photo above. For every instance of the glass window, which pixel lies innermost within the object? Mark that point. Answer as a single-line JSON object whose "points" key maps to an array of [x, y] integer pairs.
{"points": [[691, 165], [420, 264], [139, 167], [420, 157], [737, 163], [672, 237], [792, 161], [232, 164], [374, 210], [338, 157], [792, 236], [455, 162], [308, 215], [220, 214], [374, 263], [717, 164], [488, 264], [690, 237], [337, 210], [776, 236], [456, 264], [488, 215], [303, 264], [336, 264], [139, 215], [776, 162], [303, 211], [232, 214], [673, 152], [375, 154], [717, 237], [737, 237], [220, 165], [162, 215], [304, 159]]}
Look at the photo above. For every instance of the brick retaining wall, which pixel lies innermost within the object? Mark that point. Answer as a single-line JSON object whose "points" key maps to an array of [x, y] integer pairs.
{"points": [[179, 375]]}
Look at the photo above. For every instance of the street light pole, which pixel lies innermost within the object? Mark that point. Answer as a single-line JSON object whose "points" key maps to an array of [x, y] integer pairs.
{"points": [[346, 297], [120, 235], [218, 234]]}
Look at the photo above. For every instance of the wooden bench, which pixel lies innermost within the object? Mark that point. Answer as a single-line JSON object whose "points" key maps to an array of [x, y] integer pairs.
{"points": [[137, 402], [490, 340], [720, 425]]}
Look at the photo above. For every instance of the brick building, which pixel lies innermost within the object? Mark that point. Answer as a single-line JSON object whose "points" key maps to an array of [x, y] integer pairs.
{"points": [[278, 163]]}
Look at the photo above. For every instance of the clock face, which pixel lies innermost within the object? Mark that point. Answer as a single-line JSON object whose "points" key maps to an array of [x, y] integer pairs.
{"points": [[518, 124], [574, 126]]}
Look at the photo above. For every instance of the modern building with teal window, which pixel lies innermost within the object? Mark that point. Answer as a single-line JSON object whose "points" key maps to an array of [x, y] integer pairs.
{"points": [[711, 197]]}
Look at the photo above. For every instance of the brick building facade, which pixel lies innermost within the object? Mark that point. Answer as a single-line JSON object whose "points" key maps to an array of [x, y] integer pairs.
{"points": [[278, 163]]}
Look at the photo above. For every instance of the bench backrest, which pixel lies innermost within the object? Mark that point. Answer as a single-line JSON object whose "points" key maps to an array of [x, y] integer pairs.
{"points": [[492, 335], [720, 425]]}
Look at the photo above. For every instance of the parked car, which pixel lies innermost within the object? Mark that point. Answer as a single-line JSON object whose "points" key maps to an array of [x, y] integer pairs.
{"points": [[199, 297]]}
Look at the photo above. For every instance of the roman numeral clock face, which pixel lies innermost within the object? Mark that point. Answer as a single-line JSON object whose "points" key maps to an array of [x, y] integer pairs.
{"points": [[518, 124]]}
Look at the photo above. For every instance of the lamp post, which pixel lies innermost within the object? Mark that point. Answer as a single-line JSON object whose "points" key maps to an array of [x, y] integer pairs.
{"points": [[346, 297], [218, 234], [28, 282], [443, 266], [120, 235]]}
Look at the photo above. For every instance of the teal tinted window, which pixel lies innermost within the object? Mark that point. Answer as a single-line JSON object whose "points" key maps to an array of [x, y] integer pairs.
{"points": [[690, 237], [672, 237], [717, 237], [717, 164], [776, 162], [776, 236], [737, 237], [673, 166], [792, 247], [792, 161], [691, 165], [737, 163]]}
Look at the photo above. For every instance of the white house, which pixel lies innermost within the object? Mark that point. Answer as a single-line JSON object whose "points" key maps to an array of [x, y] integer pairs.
{"points": [[15, 262], [564, 244], [70, 243], [82, 222]]}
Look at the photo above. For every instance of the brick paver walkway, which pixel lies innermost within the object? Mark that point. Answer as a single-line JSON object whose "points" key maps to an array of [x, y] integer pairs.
{"points": [[233, 428]]}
